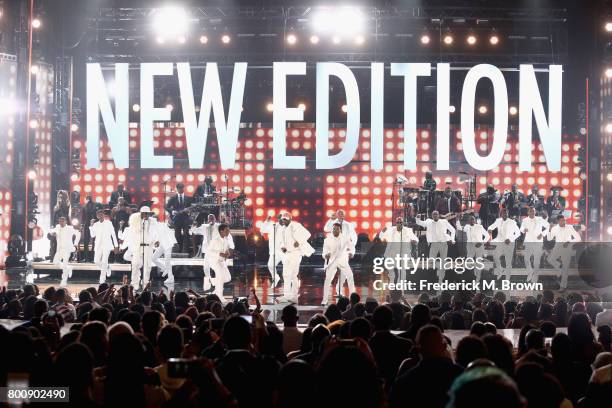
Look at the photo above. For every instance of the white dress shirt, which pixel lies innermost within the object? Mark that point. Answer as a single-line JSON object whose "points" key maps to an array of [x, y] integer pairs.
{"points": [[437, 231], [104, 233], [67, 238], [563, 234], [393, 235], [347, 228], [338, 248], [295, 232], [506, 230], [534, 226], [475, 233]]}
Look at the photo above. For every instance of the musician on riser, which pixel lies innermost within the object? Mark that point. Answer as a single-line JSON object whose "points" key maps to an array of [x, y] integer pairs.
{"points": [[180, 218]]}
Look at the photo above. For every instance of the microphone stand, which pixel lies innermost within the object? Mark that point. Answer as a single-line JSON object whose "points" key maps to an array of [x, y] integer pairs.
{"points": [[274, 273], [142, 247]]}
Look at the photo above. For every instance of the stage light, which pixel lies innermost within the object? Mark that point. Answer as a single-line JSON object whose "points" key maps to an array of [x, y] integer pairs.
{"points": [[482, 109], [609, 127], [343, 21], [359, 40], [136, 107], [203, 39], [608, 72], [170, 22], [36, 23], [74, 127], [225, 39], [314, 39], [182, 39], [608, 26], [291, 39], [32, 174], [471, 39], [34, 69], [169, 107], [160, 39], [33, 124], [301, 106], [609, 177], [344, 108], [269, 107], [513, 110], [609, 230], [494, 39], [7, 107], [425, 39], [336, 39], [451, 108], [448, 39]]}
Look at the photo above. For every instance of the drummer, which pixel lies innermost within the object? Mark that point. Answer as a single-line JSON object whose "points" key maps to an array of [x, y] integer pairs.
{"points": [[206, 190]]}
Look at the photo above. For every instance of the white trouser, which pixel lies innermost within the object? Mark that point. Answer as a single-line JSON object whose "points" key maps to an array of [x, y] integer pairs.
{"points": [[563, 254], [206, 267], [222, 276], [391, 252], [273, 262], [507, 251], [137, 263], [439, 250], [346, 274], [101, 261], [532, 249], [166, 266], [61, 259], [291, 269], [474, 252]]}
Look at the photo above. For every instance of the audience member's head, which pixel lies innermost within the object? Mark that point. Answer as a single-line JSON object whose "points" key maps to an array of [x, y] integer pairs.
{"points": [[470, 348]]}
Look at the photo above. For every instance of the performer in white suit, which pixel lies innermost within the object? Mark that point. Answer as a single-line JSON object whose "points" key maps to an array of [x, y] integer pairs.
{"points": [[534, 229], [103, 231], [210, 231], [563, 235], [294, 245], [218, 252], [399, 241], [337, 250], [439, 234], [347, 228], [507, 233], [67, 240], [167, 240], [142, 238], [476, 238], [274, 230]]}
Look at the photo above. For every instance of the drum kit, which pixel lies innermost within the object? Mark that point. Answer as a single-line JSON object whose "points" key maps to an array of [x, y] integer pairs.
{"points": [[227, 204]]}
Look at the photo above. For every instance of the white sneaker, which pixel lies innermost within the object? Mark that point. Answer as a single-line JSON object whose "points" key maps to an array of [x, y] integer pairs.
{"points": [[63, 284], [108, 272], [101, 281], [70, 273]]}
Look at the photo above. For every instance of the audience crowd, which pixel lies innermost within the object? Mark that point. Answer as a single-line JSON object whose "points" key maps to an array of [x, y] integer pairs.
{"points": [[116, 348]]}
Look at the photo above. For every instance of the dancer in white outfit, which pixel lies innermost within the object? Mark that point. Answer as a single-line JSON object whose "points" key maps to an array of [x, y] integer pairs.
{"points": [[274, 230], [534, 229], [337, 250], [218, 252], [67, 240], [294, 246], [347, 228], [167, 240], [210, 231], [142, 239], [103, 231], [563, 235], [476, 238], [439, 234], [400, 240], [507, 233]]}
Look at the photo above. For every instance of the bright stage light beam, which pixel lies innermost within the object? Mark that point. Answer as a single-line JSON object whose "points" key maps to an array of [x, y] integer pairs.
{"points": [[170, 22], [291, 39], [494, 39], [344, 21], [425, 39], [448, 39], [471, 39], [36, 23], [225, 39]]}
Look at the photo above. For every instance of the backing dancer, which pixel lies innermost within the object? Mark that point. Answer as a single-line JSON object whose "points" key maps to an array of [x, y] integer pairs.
{"points": [[507, 233], [439, 234], [103, 231], [294, 245], [534, 229], [563, 235], [399, 241], [337, 250], [209, 231], [67, 239], [167, 240], [476, 238], [274, 231], [142, 237], [346, 227], [218, 252]]}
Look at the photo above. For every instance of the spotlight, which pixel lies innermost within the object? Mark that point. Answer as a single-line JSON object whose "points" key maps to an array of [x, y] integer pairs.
{"points": [[609, 177], [32, 174], [359, 40], [609, 230], [336, 39], [36, 23], [33, 124], [301, 106], [471, 39], [291, 39], [136, 107], [608, 26], [344, 108], [344, 20], [608, 72], [74, 127], [225, 39], [203, 39], [314, 39], [425, 39], [170, 22], [451, 108], [34, 69], [513, 110], [182, 39], [169, 107], [609, 127], [270, 107], [448, 39], [160, 39], [494, 39], [482, 109]]}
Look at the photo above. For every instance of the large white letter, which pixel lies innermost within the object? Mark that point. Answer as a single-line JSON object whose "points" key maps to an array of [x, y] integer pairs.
{"points": [[282, 114], [196, 133], [410, 72], [530, 102], [324, 71], [377, 141], [149, 113], [442, 116], [117, 127], [500, 127]]}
